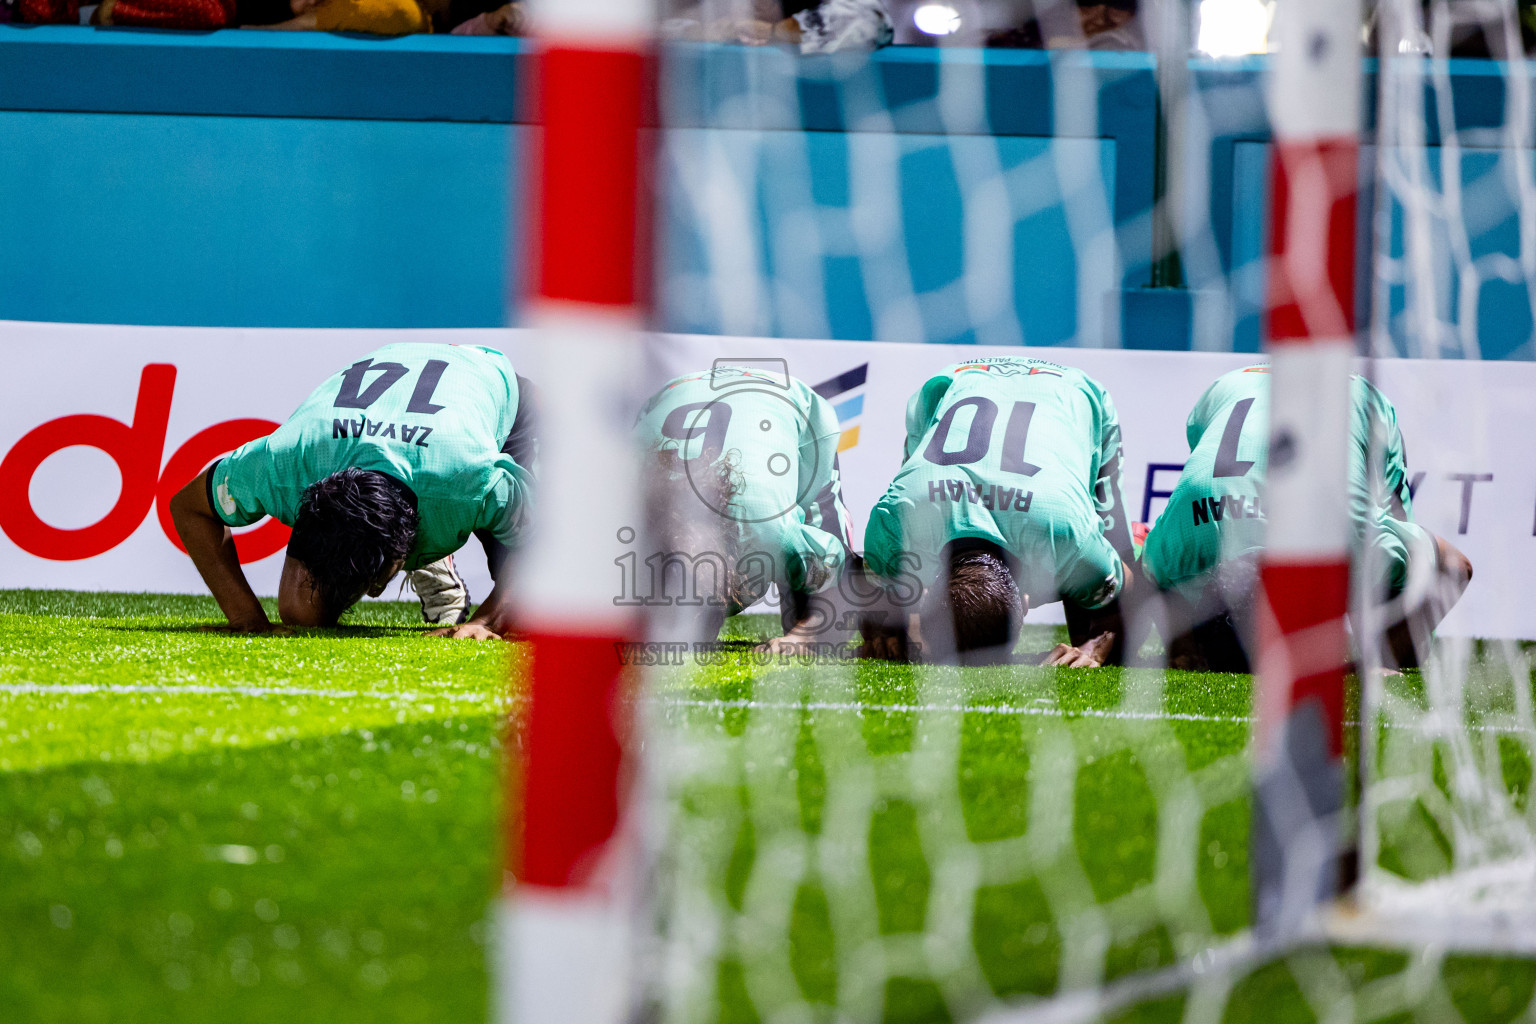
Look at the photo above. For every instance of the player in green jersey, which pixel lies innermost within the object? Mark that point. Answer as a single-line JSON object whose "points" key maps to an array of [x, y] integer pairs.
{"points": [[746, 458], [1008, 498], [390, 464], [1203, 551]]}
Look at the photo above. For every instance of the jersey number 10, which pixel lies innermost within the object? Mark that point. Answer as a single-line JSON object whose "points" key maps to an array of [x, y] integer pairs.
{"points": [[979, 440]]}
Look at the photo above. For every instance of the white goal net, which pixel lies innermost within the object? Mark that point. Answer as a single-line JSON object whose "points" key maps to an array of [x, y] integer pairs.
{"points": [[834, 839]]}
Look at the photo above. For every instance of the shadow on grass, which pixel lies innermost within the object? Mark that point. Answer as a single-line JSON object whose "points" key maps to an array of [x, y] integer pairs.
{"points": [[344, 878], [288, 632]]}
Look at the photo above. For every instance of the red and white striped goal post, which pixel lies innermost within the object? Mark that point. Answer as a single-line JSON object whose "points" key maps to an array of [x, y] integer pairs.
{"points": [[1314, 96], [563, 944]]}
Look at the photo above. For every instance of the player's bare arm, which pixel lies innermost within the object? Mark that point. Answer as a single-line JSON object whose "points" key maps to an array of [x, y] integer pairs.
{"points": [[800, 639], [491, 621], [1097, 636], [1453, 573], [812, 621], [212, 546], [895, 637], [1094, 653]]}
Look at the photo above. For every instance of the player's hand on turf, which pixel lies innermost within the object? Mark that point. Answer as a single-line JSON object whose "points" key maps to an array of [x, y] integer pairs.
{"points": [[787, 646], [466, 631], [889, 641], [1061, 655], [800, 640], [1092, 654]]}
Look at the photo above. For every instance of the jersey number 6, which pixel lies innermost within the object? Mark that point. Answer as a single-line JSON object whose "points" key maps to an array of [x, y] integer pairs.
{"points": [[686, 422]]}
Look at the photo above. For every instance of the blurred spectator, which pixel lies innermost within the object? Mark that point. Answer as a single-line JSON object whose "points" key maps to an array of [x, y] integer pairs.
{"points": [[723, 21], [48, 12], [816, 27], [1459, 28], [377, 17], [262, 12], [506, 20], [184, 14], [447, 15], [1074, 25], [842, 25]]}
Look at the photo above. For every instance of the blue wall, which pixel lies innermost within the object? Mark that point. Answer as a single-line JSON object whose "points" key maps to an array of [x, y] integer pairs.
{"points": [[304, 179], [281, 179], [845, 198], [1479, 297], [252, 221], [276, 179]]}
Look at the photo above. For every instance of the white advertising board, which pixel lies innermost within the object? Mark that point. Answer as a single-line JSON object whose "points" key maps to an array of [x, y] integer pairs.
{"points": [[83, 408]]}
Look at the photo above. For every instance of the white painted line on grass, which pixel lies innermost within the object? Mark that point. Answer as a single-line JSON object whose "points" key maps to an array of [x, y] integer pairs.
{"points": [[1044, 710], [90, 689]]}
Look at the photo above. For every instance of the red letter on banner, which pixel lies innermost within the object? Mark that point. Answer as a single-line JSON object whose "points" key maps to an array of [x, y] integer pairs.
{"points": [[136, 449], [192, 458]]}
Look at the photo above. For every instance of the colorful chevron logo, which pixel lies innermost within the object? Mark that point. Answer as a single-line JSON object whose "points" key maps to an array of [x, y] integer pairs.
{"points": [[846, 393]]}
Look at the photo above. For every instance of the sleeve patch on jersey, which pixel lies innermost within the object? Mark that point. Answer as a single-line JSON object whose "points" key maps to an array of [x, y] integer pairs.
{"points": [[1105, 592], [225, 499]]}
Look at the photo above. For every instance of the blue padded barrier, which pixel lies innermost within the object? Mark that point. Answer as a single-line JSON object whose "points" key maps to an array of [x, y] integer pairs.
{"points": [[306, 179], [256, 73], [1229, 147], [788, 137]]}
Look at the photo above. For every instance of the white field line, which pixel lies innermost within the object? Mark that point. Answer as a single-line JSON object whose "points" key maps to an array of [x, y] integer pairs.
{"points": [[90, 689], [417, 697], [1042, 710], [414, 697], [1045, 710]]}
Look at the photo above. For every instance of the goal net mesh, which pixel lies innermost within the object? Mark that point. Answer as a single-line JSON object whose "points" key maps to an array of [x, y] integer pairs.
{"points": [[1448, 843], [864, 841]]}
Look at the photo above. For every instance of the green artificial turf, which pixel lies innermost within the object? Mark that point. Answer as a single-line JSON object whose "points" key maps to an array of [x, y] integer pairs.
{"points": [[196, 826], [192, 849]]}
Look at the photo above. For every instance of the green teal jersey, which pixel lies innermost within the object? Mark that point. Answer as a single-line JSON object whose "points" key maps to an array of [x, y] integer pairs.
{"points": [[777, 439], [1020, 452], [433, 417], [1216, 511]]}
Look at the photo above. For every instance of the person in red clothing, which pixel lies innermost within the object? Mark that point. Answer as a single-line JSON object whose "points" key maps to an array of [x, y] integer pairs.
{"points": [[200, 15]]}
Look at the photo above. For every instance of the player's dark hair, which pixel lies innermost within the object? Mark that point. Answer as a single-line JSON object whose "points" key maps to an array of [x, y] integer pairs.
{"points": [[696, 514], [983, 599], [351, 527]]}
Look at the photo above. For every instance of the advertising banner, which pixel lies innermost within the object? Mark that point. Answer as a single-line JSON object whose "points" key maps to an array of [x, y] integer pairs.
{"points": [[100, 425]]}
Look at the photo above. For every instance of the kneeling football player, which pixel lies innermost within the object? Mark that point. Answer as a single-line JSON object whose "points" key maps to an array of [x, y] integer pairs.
{"points": [[390, 464], [1203, 552], [1008, 498], [745, 462]]}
